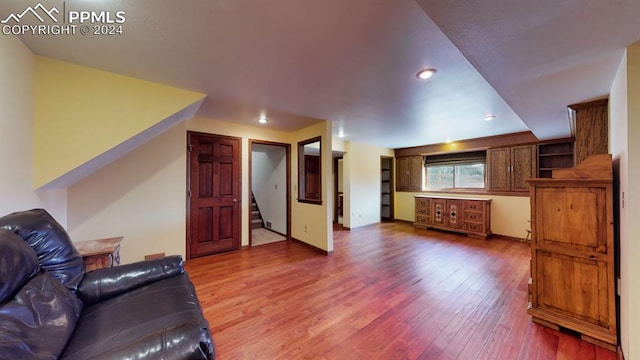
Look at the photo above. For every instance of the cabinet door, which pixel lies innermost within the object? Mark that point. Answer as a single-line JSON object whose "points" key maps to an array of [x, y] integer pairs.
{"points": [[591, 129], [439, 214], [454, 214], [402, 173], [573, 218], [499, 162], [447, 213], [523, 166], [575, 287], [409, 173]]}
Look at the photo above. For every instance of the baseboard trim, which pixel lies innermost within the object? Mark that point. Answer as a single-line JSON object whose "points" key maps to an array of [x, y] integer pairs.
{"points": [[505, 237], [312, 247]]}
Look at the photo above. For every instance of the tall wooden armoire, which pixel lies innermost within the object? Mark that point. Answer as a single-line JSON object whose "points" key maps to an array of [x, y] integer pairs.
{"points": [[572, 265]]}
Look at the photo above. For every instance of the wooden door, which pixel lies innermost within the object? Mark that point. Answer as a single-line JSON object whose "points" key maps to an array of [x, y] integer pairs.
{"points": [[213, 217]]}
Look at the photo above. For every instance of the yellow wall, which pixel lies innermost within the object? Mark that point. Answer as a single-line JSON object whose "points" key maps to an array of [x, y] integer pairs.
{"points": [[361, 186], [16, 128], [510, 215], [312, 223], [81, 113]]}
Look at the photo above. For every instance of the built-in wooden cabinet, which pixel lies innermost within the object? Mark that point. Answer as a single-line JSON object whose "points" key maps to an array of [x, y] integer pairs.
{"points": [[409, 173], [508, 168], [469, 216], [554, 155], [572, 249], [591, 129]]}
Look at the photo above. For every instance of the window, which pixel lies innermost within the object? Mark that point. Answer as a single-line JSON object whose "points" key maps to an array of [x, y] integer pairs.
{"points": [[455, 171]]}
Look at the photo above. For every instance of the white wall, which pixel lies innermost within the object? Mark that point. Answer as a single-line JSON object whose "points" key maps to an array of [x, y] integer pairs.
{"points": [[361, 184], [269, 182], [624, 115], [141, 196], [16, 135]]}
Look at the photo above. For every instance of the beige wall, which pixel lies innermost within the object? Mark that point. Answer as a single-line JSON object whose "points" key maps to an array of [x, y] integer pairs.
{"points": [[510, 215], [624, 109], [16, 135], [141, 196]]}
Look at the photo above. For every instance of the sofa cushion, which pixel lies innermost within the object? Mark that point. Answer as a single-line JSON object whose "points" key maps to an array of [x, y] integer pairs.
{"points": [[160, 320], [51, 243], [18, 263], [38, 321]]}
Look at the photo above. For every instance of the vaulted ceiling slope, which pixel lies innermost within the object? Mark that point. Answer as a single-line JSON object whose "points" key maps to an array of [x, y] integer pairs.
{"points": [[354, 62]]}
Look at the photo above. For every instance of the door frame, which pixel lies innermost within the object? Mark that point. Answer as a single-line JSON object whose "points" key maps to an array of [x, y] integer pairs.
{"points": [[287, 148], [188, 186]]}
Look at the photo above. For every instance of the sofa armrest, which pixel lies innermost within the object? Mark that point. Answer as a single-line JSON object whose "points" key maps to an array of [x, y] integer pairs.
{"points": [[105, 283]]}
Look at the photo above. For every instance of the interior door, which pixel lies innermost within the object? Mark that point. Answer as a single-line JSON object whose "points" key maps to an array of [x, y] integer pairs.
{"points": [[213, 218]]}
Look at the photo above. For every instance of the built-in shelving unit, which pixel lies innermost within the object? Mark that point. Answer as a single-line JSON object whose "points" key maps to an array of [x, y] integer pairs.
{"points": [[386, 195], [554, 155]]}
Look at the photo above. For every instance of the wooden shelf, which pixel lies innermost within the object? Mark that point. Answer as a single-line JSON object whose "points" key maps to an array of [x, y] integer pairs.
{"points": [[554, 155]]}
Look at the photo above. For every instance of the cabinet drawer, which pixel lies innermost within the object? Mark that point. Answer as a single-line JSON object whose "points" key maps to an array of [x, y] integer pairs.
{"points": [[473, 216], [472, 206], [473, 227], [423, 202], [421, 219], [422, 210]]}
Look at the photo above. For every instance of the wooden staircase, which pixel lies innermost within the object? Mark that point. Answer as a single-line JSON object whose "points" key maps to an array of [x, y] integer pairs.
{"points": [[256, 217]]}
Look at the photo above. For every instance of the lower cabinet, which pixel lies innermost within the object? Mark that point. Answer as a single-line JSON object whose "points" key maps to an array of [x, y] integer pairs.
{"points": [[469, 216]]}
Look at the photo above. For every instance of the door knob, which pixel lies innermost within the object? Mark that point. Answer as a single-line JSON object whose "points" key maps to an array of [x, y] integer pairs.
{"points": [[235, 200]]}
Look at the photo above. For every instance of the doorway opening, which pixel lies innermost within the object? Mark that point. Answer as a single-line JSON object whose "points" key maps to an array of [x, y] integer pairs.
{"points": [[270, 186]]}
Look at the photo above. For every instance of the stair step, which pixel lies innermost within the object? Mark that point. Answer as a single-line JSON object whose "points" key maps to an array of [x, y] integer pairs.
{"points": [[256, 224]]}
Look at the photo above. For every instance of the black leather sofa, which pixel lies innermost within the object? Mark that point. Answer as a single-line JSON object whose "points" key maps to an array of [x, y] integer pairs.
{"points": [[50, 308]]}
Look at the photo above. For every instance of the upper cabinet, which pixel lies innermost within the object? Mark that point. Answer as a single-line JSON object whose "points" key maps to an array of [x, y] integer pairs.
{"points": [[409, 173], [591, 129], [510, 167]]}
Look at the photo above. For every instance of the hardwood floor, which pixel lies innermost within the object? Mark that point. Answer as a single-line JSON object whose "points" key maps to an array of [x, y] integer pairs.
{"points": [[389, 291]]}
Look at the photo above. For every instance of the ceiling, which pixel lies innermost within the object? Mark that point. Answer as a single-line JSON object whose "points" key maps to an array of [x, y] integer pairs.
{"points": [[354, 62]]}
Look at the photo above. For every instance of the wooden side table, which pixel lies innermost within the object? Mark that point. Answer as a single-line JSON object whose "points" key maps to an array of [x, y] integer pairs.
{"points": [[100, 253]]}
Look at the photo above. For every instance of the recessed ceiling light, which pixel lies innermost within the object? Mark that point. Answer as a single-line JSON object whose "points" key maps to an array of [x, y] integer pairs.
{"points": [[489, 117], [263, 119], [426, 73]]}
